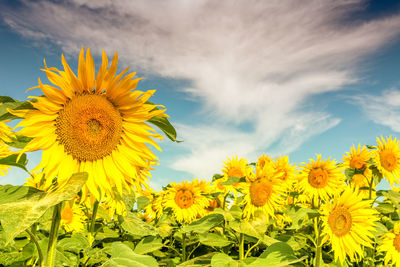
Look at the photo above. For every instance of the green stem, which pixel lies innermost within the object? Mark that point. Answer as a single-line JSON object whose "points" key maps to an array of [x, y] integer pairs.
{"points": [[94, 214], [251, 248], [184, 247], [55, 224], [241, 246], [35, 240]]}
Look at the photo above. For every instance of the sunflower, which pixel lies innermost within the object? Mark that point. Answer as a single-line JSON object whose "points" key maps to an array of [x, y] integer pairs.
{"points": [[357, 158], [36, 180], [5, 151], [348, 224], [264, 159], [94, 124], [262, 193], [390, 246], [73, 218], [361, 182], [387, 159], [286, 171], [186, 201], [320, 178]]}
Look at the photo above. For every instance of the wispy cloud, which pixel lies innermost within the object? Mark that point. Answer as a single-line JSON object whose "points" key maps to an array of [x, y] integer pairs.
{"points": [[249, 62], [382, 109]]}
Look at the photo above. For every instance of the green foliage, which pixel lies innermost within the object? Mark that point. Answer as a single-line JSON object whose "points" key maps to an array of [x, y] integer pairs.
{"points": [[204, 224], [9, 103], [122, 255], [13, 160], [135, 226], [16, 216]]}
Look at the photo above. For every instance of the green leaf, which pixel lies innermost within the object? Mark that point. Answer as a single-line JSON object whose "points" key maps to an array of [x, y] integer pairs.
{"points": [[5, 99], [203, 260], [148, 245], [14, 105], [298, 215], [12, 161], [233, 180], [385, 208], [142, 202], [17, 216], [214, 240], [204, 224], [75, 243], [19, 141], [164, 125], [11, 193], [135, 226], [223, 260], [277, 255], [122, 255]]}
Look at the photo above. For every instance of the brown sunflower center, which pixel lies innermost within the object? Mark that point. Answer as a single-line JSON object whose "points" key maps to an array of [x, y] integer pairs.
{"points": [[357, 162], [396, 242], [318, 178], [184, 199], [388, 160], [340, 221], [89, 127], [67, 214], [260, 192]]}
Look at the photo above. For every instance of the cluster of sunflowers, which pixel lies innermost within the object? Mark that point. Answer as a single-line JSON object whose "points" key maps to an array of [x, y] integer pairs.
{"points": [[100, 125]]}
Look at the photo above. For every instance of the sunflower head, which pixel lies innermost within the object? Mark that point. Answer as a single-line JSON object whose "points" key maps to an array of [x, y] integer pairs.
{"points": [[186, 201], [390, 246], [73, 218], [348, 224], [320, 178], [95, 124], [387, 158], [357, 158]]}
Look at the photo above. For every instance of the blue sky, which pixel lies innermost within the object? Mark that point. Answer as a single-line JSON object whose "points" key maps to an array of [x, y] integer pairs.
{"points": [[237, 78]]}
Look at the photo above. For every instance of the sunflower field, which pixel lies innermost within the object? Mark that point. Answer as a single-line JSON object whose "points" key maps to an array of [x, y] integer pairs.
{"points": [[88, 201]]}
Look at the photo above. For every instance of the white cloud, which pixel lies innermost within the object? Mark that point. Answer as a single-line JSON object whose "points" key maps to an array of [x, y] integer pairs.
{"points": [[249, 62], [382, 109]]}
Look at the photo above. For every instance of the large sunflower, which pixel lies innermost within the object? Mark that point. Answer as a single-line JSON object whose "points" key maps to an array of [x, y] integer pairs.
{"points": [[320, 178], [186, 201], [390, 246], [93, 124], [263, 193], [348, 224], [387, 158]]}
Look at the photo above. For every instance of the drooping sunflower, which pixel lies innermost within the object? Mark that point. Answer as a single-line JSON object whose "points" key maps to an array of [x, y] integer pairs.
{"points": [[73, 218], [320, 178], [361, 182], [94, 124], [390, 246], [348, 224], [387, 158], [263, 193], [357, 158], [186, 201]]}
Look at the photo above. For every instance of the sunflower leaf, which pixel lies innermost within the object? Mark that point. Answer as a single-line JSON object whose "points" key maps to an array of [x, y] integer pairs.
{"points": [[5, 99], [13, 160], [19, 141], [14, 105], [18, 215], [122, 255], [204, 224]]}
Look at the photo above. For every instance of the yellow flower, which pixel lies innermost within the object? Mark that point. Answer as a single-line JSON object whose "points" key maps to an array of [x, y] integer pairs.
{"points": [[264, 159], [36, 181], [185, 201], [361, 180], [320, 178], [236, 167], [348, 224], [94, 124], [5, 151], [263, 194], [390, 246], [387, 159], [357, 158], [73, 218], [285, 171], [5, 132]]}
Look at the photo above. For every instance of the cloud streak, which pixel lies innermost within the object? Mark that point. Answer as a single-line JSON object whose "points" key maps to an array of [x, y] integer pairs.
{"points": [[249, 62]]}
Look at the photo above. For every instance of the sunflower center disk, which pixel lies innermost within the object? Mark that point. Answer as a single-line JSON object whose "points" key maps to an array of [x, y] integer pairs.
{"points": [[340, 221], [318, 178], [67, 215], [357, 163], [388, 160], [89, 127], [260, 192], [396, 242], [184, 199]]}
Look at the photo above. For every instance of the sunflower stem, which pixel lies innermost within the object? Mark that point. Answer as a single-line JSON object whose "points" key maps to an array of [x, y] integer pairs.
{"points": [[35, 240], [55, 224], [183, 247], [241, 246], [94, 214]]}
